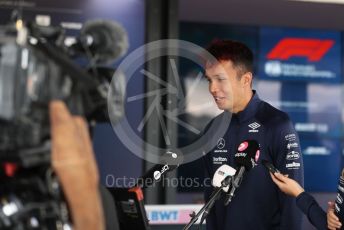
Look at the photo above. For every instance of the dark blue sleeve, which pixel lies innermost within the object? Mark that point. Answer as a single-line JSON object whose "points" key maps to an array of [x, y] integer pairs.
{"points": [[312, 210], [288, 159], [211, 218]]}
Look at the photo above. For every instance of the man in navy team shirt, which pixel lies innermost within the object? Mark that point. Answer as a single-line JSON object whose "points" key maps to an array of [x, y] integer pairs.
{"points": [[258, 204]]}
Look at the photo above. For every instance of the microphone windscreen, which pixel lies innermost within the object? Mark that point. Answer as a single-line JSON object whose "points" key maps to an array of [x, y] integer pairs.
{"points": [[110, 39], [247, 154], [220, 174]]}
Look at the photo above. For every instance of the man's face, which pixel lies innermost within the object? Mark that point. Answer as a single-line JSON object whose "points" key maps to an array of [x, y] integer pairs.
{"points": [[224, 85]]}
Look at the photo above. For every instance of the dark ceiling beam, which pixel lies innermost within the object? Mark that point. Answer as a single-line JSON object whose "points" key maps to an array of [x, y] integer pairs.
{"points": [[264, 12]]}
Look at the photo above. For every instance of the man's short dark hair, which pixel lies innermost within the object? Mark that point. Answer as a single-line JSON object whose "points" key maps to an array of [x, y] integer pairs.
{"points": [[236, 52]]}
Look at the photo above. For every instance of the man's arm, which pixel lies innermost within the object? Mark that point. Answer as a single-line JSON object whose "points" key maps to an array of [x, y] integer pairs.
{"points": [[288, 159]]}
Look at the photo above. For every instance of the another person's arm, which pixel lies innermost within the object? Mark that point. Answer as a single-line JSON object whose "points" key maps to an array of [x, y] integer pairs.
{"points": [[306, 203], [74, 163], [287, 185]]}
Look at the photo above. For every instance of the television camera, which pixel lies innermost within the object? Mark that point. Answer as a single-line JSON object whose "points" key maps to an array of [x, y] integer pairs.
{"points": [[36, 67]]}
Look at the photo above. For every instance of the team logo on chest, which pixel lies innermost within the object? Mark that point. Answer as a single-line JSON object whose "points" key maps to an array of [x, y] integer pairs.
{"points": [[221, 143], [219, 160], [220, 146], [254, 127]]}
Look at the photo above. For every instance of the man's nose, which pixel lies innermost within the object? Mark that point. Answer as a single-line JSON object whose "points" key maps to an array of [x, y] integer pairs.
{"points": [[213, 87]]}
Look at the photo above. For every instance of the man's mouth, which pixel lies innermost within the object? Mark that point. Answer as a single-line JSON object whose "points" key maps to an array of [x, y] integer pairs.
{"points": [[219, 98]]}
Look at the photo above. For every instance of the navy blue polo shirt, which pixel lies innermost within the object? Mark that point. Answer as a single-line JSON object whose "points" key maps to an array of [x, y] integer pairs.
{"points": [[258, 204]]}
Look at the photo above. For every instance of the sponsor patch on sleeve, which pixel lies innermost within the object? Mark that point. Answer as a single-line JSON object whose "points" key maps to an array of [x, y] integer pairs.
{"points": [[293, 155], [290, 137], [292, 145], [293, 165]]}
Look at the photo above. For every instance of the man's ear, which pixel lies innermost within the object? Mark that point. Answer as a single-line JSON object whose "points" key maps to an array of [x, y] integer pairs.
{"points": [[246, 79]]}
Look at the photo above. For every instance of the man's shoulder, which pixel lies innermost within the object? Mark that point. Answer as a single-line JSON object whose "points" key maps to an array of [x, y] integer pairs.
{"points": [[270, 115]]}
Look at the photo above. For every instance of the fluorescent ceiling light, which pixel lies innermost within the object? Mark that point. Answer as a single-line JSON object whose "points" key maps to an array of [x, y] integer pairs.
{"points": [[322, 1]]}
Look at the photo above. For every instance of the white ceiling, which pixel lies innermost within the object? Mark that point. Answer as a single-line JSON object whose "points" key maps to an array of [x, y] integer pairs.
{"points": [[264, 12]]}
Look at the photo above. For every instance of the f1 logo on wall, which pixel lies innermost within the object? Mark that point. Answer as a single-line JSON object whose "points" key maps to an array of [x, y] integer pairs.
{"points": [[299, 55], [313, 49]]}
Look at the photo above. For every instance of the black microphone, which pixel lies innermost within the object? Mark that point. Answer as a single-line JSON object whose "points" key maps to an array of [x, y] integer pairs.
{"points": [[171, 161], [105, 39], [245, 158]]}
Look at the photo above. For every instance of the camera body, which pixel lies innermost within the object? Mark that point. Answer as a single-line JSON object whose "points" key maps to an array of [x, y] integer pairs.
{"points": [[36, 68], [28, 81]]}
